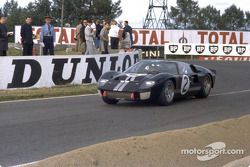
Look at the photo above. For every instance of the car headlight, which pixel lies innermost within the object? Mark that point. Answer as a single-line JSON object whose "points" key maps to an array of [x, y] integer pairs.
{"points": [[102, 82], [147, 84]]}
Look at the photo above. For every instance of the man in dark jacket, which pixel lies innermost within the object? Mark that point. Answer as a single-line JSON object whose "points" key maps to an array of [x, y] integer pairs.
{"points": [[27, 37], [82, 36], [4, 36], [127, 28]]}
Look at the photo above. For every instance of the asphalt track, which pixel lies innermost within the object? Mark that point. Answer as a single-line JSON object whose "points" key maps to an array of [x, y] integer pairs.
{"points": [[34, 130]]}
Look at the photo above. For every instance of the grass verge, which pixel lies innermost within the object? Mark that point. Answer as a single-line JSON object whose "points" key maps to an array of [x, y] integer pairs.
{"points": [[67, 90]]}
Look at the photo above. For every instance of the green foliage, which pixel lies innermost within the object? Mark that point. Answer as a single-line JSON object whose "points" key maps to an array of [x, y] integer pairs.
{"points": [[73, 11], [233, 18], [188, 15], [185, 13], [208, 18]]}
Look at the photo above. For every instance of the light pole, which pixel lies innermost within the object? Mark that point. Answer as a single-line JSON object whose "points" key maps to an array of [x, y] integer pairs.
{"points": [[62, 16]]}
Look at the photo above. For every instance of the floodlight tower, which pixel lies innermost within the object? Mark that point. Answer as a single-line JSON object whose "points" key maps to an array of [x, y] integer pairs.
{"points": [[157, 16]]}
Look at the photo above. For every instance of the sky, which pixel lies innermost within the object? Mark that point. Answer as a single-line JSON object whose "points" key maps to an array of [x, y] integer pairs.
{"points": [[135, 10]]}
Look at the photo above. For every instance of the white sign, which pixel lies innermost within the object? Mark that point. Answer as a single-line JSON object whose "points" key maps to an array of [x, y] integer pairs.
{"points": [[48, 71], [149, 37], [206, 49]]}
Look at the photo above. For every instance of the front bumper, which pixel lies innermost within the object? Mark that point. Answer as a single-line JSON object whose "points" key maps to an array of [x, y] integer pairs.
{"points": [[133, 96]]}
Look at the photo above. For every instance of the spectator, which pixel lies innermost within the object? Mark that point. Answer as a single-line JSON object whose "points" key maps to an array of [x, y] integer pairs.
{"points": [[89, 36], [127, 28], [47, 37], [77, 37], [82, 37], [27, 37], [97, 35], [126, 42], [114, 35], [4, 35], [104, 36], [93, 25]]}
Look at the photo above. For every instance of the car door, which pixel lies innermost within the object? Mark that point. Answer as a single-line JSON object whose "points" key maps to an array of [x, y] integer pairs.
{"points": [[189, 79]]}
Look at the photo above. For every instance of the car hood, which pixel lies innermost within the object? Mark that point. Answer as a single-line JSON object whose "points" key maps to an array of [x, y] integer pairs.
{"points": [[133, 77], [129, 82]]}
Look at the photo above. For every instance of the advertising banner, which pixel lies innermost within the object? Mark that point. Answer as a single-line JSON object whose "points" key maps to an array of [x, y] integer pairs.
{"points": [[149, 37], [48, 71], [207, 49]]}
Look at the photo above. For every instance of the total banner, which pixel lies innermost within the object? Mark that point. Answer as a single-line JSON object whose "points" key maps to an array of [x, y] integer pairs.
{"points": [[48, 71], [150, 37], [206, 49]]}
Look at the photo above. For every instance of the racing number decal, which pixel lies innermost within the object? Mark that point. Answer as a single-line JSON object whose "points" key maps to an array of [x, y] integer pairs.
{"points": [[185, 84]]}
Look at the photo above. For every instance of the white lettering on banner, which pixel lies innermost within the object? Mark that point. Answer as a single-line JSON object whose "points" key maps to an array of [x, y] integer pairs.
{"points": [[149, 37], [206, 49], [48, 71]]}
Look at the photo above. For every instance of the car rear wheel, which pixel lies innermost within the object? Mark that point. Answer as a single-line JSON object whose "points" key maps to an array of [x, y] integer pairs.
{"points": [[167, 94], [110, 101], [205, 87]]}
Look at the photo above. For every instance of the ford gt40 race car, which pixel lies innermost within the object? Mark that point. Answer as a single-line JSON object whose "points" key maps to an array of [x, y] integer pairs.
{"points": [[156, 80]]}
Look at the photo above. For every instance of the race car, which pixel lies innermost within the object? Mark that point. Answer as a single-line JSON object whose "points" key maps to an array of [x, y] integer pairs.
{"points": [[157, 81]]}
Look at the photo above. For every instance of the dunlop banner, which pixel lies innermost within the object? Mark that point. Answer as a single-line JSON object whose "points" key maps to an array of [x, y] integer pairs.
{"points": [[48, 71]]}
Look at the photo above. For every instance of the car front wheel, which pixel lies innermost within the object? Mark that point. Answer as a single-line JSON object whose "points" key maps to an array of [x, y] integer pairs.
{"points": [[167, 94]]}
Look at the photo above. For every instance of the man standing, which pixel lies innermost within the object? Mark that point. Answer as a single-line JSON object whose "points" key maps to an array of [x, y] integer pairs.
{"points": [[114, 35], [89, 36], [47, 37], [104, 36], [27, 37], [4, 36], [77, 37], [97, 35], [82, 37], [127, 28]]}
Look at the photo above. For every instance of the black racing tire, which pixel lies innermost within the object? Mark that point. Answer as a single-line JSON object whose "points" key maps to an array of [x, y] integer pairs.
{"points": [[206, 87], [110, 101], [167, 94]]}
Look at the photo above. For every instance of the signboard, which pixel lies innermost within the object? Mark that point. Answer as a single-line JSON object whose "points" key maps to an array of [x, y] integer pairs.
{"points": [[48, 71], [149, 37], [207, 49]]}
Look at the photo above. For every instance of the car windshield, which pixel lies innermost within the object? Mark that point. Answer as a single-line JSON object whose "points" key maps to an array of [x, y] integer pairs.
{"points": [[145, 67]]}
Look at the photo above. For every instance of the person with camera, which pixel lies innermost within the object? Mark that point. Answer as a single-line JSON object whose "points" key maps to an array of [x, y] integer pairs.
{"points": [[4, 35]]}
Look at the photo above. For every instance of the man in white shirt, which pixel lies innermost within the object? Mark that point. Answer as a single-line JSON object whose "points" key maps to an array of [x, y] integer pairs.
{"points": [[89, 36], [114, 35]]}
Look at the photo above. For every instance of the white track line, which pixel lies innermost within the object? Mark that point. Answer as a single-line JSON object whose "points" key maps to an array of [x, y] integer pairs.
{"points": [[49, 98], [231, 93]]}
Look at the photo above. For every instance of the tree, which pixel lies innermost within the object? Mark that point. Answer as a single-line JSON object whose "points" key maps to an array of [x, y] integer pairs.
{"points": [[247, 21], [184, 15], [86, 9], [208, 18], [232, 19], [38, 10], [14, 13]]}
